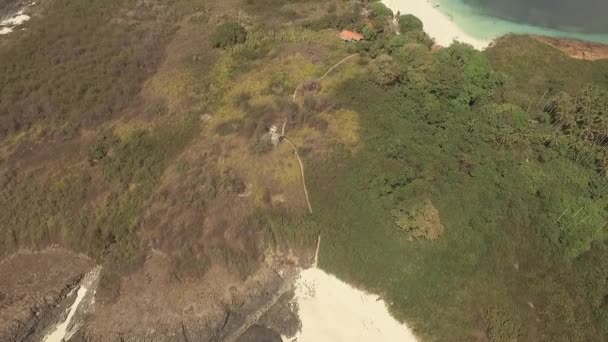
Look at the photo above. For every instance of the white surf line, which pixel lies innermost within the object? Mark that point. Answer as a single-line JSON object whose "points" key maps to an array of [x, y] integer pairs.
{"points": [[61, 329], [9, 24], [60, 333], [18, 19], [438, 25]]}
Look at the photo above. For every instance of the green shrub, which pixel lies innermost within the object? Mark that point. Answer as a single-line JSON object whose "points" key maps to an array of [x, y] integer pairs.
{"points": [[229, 127], [351, 20], [583, 115], [361, 47], [419, 37], [383, 71], [379, 10], [502, 323], [396, 42], [228, 34], [409, 22], [100, 148], [137, 155], [464, 74], [40, 210], [332, 8], [370, 33]]}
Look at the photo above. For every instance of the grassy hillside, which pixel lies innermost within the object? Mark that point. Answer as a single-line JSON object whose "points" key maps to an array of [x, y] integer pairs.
{"points": [[486, 139], [467, 188]]}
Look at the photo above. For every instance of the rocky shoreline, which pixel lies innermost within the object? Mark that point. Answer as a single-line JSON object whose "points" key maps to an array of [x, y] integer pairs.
{"points": [[32, 304], [33, 300], [577, 48]]}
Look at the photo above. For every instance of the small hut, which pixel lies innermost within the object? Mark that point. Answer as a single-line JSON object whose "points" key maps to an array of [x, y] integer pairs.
{"points": [[350, 36]]}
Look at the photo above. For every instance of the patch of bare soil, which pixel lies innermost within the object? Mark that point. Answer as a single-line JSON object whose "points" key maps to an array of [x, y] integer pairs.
{"points": [[260, 333], [33, 286], [577, 48]]}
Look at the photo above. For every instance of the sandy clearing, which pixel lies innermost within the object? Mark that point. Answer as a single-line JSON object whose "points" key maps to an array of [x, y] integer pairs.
{"points": [[332, 310], [438, 25]]}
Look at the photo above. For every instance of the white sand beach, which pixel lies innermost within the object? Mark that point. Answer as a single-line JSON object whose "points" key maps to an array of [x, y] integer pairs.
{"points": [[438, 25], [332, 310]]}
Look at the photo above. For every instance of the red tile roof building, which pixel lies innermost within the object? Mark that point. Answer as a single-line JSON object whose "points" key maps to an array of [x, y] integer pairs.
{"points": [[350, 36]]}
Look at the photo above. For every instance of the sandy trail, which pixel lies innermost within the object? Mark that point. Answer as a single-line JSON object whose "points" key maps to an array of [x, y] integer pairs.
{"points": [[295, 150], [295, 92]]}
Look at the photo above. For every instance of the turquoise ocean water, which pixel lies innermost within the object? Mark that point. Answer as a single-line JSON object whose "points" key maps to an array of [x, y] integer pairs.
{"points": [[488, 19]]}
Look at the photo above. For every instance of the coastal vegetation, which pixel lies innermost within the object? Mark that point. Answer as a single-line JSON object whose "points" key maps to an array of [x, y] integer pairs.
{"points": [[228, 34], [467, 188], [409, 22]]}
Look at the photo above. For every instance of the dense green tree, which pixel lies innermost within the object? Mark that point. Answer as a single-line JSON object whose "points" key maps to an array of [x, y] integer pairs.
{"points": [[417, 64], [384, 71], [396, 42], [370, 33], [379, 10], [585, 114], [583, 121], [409, 22], [464, 75], [419, 37]]}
